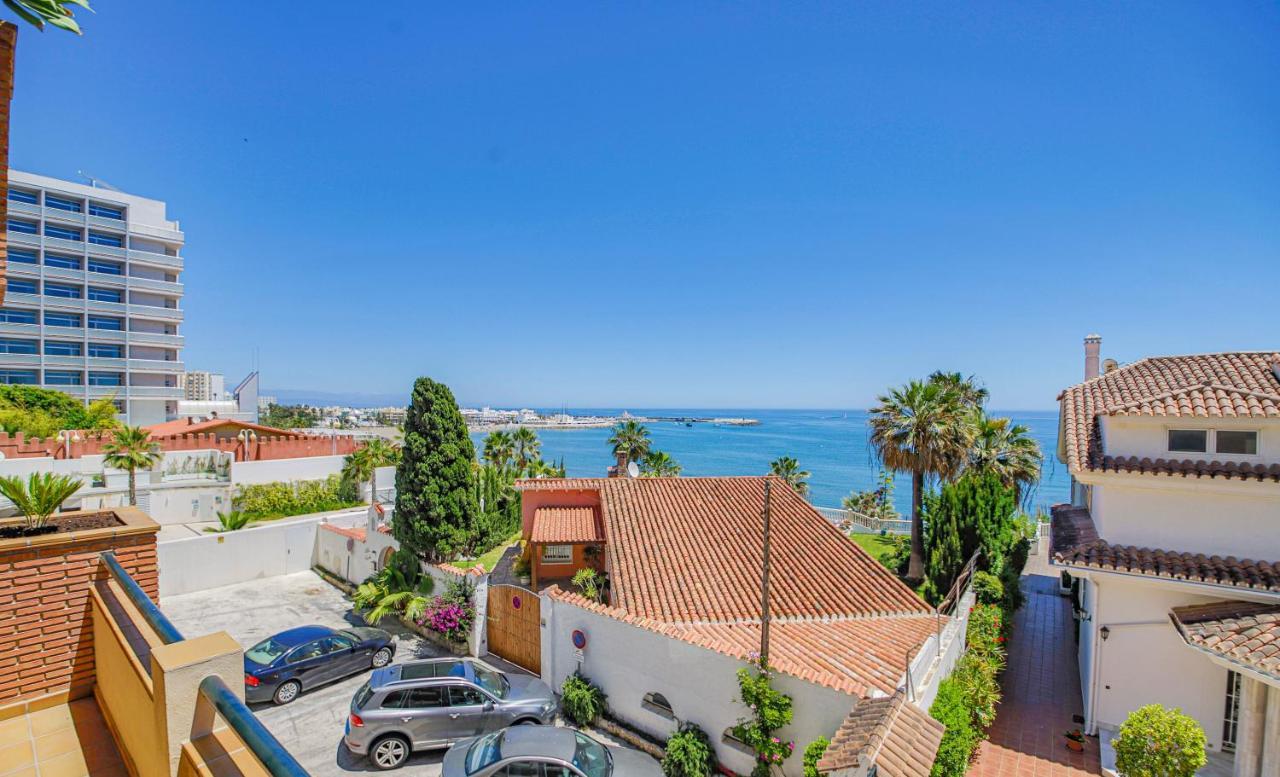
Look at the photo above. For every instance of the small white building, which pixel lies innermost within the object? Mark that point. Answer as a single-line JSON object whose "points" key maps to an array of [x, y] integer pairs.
{"points": [[1171, 545]]}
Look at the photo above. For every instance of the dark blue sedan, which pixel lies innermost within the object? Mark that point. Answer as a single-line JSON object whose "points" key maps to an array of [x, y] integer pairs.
{"points": [[280, 667]]}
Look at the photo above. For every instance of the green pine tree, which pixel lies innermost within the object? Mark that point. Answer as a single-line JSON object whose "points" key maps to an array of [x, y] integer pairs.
{"points": [[436, 507], [975, 512]]}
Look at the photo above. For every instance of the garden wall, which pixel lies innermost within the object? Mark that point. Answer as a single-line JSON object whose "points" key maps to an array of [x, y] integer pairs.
{"points": [[281, 547], [628, 661], [285, 470]]}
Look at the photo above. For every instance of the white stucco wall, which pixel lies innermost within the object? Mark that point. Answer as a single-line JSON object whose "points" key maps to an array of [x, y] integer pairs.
{"points": [[1229, 518], [1148, 436], [1144, 661], [701, 685], [285, 470]]}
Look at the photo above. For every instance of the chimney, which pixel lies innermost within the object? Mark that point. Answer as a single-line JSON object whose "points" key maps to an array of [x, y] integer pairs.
{"points": [[1092, 349], [620, 469]]}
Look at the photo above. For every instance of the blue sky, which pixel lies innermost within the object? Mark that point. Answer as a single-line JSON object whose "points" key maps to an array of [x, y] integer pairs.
{"points": [[670, 204]]}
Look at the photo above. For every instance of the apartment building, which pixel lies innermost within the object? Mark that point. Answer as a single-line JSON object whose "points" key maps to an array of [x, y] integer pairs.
{"points": [[201, 386], [93, 304]]}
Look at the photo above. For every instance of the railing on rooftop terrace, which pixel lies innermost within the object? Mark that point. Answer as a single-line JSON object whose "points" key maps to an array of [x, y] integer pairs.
{"points": [[853, 521], [265, 747], [935, 657]]}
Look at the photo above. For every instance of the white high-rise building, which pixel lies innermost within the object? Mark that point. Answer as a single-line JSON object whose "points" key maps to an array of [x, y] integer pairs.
{"points": [[200, 386], [93, 306]]}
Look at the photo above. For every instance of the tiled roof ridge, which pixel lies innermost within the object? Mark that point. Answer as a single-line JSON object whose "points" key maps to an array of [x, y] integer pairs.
{"points": [[1180, 390], [900, 739], [841, 618]]}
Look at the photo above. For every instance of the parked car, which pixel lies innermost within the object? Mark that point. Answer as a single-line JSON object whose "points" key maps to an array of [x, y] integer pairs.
{"points": [[420, 705], [544, 752], [279, 668]]}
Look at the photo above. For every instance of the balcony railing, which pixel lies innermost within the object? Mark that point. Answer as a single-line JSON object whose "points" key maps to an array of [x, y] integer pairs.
{"points": [[150, 257], [164, 629]]}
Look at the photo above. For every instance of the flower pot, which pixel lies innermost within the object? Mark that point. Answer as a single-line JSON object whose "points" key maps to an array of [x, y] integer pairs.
{"points": [[1075, 744]]}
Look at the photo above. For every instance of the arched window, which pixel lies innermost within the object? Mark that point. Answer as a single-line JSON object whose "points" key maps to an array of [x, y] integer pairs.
{"points": [[658, 704], [386, 557]]}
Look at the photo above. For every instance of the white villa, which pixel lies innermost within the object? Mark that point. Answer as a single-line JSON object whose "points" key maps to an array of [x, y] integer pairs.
{"points": [[1172, 545]]}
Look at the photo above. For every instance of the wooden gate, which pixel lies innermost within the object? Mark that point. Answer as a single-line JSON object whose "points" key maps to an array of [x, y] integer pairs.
{"points": [[514, 626]]}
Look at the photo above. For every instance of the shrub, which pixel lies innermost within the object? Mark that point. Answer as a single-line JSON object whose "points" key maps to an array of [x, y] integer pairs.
{"points": [[771, 710], [590, 583], [976, 677], [812, 754], [985, 635], [689, 753], [278, 500], [951, 709], [581, 701], [988, 588], [1158, 742]]}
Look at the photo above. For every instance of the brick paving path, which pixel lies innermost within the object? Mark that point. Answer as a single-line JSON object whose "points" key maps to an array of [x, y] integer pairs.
{"points": [[1041, 692]]}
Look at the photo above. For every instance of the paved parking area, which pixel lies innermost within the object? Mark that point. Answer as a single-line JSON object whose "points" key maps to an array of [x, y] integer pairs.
{"points": [[311, 727]]}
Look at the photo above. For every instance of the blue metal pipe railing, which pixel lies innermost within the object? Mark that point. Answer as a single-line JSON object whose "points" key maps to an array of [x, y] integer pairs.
{"points": [[260, 742], [163, 627]]}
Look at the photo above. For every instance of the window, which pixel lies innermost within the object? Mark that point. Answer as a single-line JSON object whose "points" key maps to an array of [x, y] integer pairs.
{"points": [[66, 233], [19, 286], [106, 379], [106, 211], [24, 377], [657, 703], [62, 348], [557, 554], [1188, 440], [106, 322], [10, 345], [63, 319], [105, 295], [22, 256], [62, 203], [415, 698], [25, 227], [521, 769], [22, 195], [433, 669], [62, 290], [465, 696], [1231, 714], [306, 652], [105, 267], [63, 378], [65, 262], [1239, 443], [336, 644], [104, 239], [106, 351], [12, 316]]}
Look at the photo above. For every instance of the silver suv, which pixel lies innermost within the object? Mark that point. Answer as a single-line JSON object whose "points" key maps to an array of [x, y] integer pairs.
{"points": [[419, 705]]}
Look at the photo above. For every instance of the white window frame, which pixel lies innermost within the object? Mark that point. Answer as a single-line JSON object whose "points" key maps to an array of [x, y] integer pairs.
{"points": [[557, 554], [1211, 442], [1257, 443], [1208, 439]]}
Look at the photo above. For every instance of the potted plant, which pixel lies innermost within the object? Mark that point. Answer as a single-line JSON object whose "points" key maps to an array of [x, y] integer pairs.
{"points": [[1075, 740], [521, 568]]}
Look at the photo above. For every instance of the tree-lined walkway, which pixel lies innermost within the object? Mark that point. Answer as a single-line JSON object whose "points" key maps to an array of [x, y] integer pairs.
{"points": [[1041, 691]]}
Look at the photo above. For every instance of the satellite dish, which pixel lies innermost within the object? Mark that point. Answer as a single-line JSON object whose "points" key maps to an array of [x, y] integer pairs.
{"points": [[632, 470]]}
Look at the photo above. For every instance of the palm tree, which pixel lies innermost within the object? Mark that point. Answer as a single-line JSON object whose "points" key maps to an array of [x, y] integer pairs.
{"points": [[363, 464], [631, 438], [1007, 449], [789, 470], [39, 497], [921, 428], [41, 12], [659, 464], [132, 449], [526, 447], [231, 521], [967, 388], [499, 447]]}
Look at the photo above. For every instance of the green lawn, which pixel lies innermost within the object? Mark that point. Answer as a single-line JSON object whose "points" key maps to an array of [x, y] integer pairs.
{"points": [[489, 559], [879, 547]]}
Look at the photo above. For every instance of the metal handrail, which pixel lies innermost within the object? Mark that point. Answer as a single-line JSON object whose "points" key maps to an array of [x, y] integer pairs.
{"points": [[162, 626], [265, 747]]}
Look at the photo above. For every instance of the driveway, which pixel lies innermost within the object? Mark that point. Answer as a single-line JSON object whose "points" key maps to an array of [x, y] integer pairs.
{"points": [[311, 727]]}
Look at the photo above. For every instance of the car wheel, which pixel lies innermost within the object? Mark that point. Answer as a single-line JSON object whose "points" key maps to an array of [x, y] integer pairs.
{"points": [[526, 722], [389, 752], [381, 658], [287, 692]]}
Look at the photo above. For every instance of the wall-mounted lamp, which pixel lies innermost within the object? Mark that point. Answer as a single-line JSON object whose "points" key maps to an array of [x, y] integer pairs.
{"points": [[1105, 632]]}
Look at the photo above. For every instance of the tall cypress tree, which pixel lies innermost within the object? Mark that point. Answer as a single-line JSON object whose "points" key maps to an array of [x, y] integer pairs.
{"points": [[975, 512], [436, 509]]}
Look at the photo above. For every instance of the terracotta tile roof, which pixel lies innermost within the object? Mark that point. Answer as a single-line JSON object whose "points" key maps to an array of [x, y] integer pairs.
{"points": [[566, 524], [1219, 385], [888, 732], [559, 484], [189, 426], [852, 656], [1075, 542], [1247, 633], [354, 532], [1185, 467]]}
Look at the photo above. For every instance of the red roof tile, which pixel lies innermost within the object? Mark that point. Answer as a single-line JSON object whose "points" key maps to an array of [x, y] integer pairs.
{"points": [[566, 524], [189, 426], [1075, 542], [1247, 633], [888, 732], [1219, 385]]}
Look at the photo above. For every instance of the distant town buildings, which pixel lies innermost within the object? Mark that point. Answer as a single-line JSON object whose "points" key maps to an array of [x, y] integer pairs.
{"points": [[94, 296], [202, 386]]}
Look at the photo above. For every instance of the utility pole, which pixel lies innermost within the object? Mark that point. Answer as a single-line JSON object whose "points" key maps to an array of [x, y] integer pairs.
{"points": [[764, 583]]}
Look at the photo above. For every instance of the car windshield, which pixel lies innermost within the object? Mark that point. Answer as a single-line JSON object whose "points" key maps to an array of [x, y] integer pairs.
{"points": [[484, 752], [492, 681], [591, 757], [362, 696], [266, 651]]}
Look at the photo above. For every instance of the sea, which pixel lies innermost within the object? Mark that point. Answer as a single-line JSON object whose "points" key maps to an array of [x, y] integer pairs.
{"points": [[833, 445]]}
